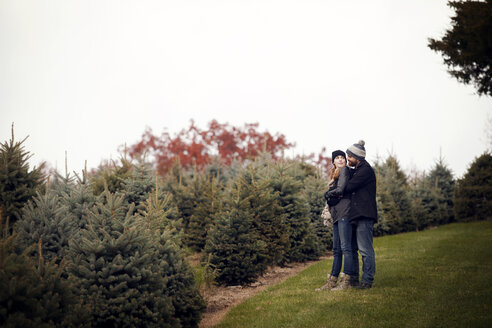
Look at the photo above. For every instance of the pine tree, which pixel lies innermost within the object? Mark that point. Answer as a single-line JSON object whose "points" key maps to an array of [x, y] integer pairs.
{"points": [[116, 274], [111, 176], [285, 181], [442, 183], [177, 184], [180, 284], [18, 183], [45, 220], [138, 186], [78, 199], [33, 293], [206, 203], [269, 221], [383, 226], [422, 202], [472, 200], [314, 189], [232, 250], [393, 192]]}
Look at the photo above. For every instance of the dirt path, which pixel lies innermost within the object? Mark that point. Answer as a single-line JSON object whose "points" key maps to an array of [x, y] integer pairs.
{"points": [[221, 299]]}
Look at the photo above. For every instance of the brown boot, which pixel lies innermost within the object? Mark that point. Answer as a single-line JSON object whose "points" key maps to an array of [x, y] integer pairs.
{"points": [[331, 281], [344, 282]]}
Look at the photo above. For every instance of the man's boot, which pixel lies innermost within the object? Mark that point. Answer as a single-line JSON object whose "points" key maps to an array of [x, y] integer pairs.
{"points": [[344, 282], [331, 282], [364, 285], [354, 281]]}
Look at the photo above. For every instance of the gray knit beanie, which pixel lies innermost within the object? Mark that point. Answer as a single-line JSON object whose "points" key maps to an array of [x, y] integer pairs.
{"points": [[357, 150]]}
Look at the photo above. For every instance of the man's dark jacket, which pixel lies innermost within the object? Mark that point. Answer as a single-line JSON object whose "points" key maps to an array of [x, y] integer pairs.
{"points": [[362, 187]]}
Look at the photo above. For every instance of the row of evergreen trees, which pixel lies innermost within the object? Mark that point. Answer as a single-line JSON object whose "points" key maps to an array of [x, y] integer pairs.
{"points": [[73, 257], [244, 217], [106, 249]]}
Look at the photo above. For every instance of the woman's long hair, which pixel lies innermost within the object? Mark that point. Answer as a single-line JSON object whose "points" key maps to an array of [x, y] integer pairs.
{"points": [[334, 172]]}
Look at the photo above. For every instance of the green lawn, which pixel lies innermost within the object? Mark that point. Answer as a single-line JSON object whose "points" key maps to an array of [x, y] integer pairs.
{"points": [[435, 278]]}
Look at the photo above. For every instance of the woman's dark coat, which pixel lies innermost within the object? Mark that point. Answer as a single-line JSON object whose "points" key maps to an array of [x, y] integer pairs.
{"points": [[340, 210]]}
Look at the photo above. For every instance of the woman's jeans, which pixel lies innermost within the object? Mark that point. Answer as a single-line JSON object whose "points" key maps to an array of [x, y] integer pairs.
{"points": [[344, 244]]}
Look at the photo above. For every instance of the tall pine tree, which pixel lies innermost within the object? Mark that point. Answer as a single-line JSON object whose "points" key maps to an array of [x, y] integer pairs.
{"points": [[18, 183]]}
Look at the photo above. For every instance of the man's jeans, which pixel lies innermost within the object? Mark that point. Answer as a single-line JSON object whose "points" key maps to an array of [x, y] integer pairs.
{"points": [[363, 230], [344, 244]]}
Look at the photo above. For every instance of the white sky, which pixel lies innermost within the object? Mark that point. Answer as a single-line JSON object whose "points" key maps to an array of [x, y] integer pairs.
{"points": [[87, 76]]}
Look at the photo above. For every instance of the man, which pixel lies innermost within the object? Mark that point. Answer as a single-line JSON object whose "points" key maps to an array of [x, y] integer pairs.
{"points": [[363, 211]]}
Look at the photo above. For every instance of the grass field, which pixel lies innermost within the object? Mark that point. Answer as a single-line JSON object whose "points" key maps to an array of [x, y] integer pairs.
{"points": [[435, 278]]}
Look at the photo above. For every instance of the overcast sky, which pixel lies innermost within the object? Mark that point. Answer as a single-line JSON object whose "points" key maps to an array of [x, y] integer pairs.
{"points": [[88, 76]]}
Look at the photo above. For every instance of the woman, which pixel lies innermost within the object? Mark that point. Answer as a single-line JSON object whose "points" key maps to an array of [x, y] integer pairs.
{"points": [[344, 243]]}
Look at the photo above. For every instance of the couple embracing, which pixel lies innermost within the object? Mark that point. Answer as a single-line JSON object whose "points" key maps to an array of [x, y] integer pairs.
{"points": [[352, 206]]}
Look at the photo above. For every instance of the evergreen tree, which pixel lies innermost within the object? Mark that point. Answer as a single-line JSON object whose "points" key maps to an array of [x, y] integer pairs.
{"points": [[385, 218], [157, 212], [472, 200], [78, 200], [285, 181], [314, 189], [206, 203], [33, 293], [45, 220], [177, 184], [467, 46], [269, 221], [179, 279], [442, 183], [61, 185], [114, 266], [18, 183], [111, 176], [393, 192], [422, 203], [138, 186], [232, 250]]}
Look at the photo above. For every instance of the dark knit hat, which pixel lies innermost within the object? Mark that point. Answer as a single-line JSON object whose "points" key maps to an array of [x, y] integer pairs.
{"points": [[337, 153], [357, 150]]}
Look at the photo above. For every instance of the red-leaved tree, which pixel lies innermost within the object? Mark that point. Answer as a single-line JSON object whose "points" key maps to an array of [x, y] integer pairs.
{"points": [[193, 146]]}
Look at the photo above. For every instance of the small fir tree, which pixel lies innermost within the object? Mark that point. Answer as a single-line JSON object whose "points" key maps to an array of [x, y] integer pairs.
{"points": [[78, 200], [111, 176], [421, 199], [45, 220], [33, 293], [393, 191], [269, 222], [139, 185], [292, 200], [116, 274], [472, 198], [18, 183], [207, 193], [314, 189], [177, 184], [235, 253], [179, 279], [442, 183]]}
